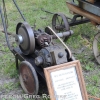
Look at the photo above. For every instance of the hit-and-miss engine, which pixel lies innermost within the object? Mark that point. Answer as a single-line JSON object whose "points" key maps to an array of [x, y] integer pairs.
{"points": [[39, 44]]}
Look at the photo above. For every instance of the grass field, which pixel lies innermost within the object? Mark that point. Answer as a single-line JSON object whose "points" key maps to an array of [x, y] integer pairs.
{"points": [[80, 44]]}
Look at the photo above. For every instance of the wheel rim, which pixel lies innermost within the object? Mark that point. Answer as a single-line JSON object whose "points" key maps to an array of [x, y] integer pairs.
{"points": [[28, 78], [60, 24], [96, 47], [60, 19]]}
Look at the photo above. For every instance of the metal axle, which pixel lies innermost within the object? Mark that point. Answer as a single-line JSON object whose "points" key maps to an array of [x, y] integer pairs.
{"points": [[63, 34]]}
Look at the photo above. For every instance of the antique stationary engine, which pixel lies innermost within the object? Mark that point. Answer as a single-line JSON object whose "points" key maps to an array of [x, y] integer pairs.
{"points": [[38, 43], [37, 51]]}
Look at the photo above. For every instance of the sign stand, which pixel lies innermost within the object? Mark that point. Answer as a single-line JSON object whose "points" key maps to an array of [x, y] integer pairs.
{"points": [[65, 82]]}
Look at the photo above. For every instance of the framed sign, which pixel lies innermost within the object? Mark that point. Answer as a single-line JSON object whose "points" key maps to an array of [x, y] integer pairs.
{"points": [[65, 82]]}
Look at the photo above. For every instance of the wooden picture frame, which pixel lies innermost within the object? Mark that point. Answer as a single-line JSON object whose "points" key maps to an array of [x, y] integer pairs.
{"points": [[66, 81]]}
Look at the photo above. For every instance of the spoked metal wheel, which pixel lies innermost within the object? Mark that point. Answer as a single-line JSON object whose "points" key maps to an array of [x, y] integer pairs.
{"points": [[60, 23], [96, 47], [28, 78]]}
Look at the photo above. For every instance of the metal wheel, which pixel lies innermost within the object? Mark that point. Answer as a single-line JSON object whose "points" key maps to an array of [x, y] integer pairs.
{"points": [[28, 78], [25, 38], [60, 23], [96, 47]]}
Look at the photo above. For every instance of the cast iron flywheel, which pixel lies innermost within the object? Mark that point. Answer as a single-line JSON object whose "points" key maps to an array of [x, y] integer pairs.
{"points": [[25, 38], [28, 78]]}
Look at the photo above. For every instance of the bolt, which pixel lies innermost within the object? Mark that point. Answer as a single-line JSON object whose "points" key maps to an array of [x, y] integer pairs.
{"points": [[60, 54]]}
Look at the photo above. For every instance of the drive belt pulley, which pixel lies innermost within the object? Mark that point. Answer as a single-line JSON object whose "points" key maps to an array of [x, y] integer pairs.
{"points": [[25, 38]]}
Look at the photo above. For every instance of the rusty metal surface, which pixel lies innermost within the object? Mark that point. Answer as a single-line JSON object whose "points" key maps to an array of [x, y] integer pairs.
{"points": [[84, 13], [91, 1], [43, 40], [28, 78]]}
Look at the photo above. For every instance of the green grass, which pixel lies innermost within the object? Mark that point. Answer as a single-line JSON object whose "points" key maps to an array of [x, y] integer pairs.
{"points": [[33, 14]]}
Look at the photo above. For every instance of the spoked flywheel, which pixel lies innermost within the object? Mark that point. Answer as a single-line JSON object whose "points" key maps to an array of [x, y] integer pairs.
{"points": [[25, 38], [28, 78], [96, 47], [60, 23]]}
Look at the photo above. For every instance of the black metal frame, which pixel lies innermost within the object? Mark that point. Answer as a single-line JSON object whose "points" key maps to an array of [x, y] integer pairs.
{"points": [[19, 56], [74, 21]]}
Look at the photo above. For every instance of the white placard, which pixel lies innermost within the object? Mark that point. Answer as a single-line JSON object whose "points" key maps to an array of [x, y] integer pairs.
{"points": [[66, 84]]}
